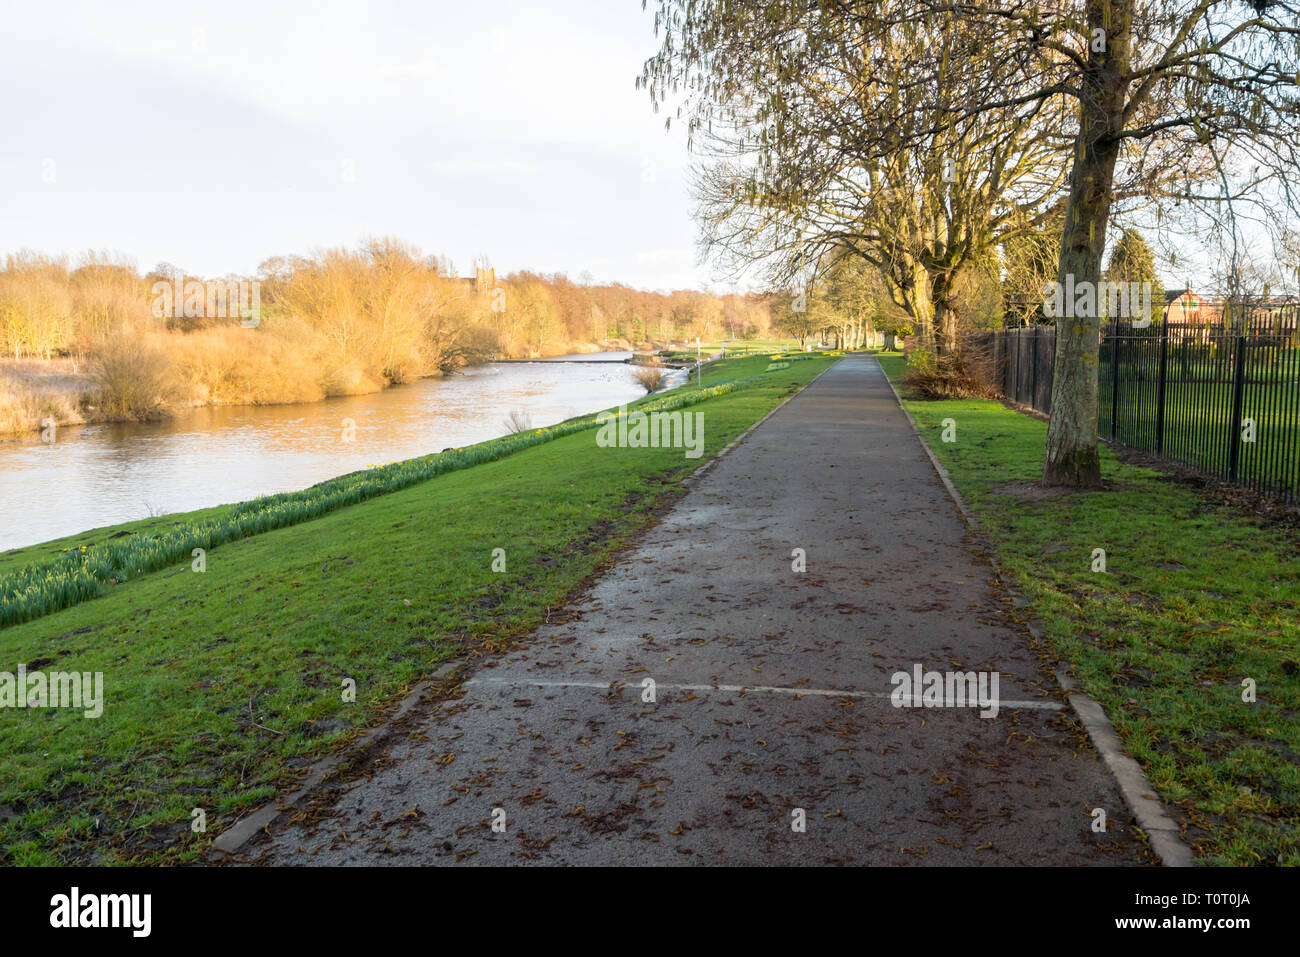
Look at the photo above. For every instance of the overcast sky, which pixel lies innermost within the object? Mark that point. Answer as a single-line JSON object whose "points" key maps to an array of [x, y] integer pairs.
{"points": [[212, 140]]}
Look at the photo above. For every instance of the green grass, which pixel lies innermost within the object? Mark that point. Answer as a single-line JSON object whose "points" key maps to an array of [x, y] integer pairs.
{"points": [[1195, 598], [1199, 425], [55, 549], [220, 686], [734, 347], [1198, 409]]}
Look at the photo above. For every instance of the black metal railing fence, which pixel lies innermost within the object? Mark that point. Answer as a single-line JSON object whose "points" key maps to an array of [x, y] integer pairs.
{"points": [[1219, 393]]}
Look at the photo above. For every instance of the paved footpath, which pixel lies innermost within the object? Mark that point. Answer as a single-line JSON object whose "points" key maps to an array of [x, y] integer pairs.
{"points": [[771, 690]]}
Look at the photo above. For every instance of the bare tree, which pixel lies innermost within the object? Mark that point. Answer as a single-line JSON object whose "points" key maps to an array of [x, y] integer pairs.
{"points": [[1189, 101], [814, 137]]}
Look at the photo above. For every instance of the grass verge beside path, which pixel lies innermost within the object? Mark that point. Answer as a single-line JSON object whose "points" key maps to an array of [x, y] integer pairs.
{"points": [[1194, 599], [220, 687]]}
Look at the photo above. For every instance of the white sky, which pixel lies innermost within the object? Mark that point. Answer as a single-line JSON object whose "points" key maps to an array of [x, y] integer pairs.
{"points": [[215, 135]]}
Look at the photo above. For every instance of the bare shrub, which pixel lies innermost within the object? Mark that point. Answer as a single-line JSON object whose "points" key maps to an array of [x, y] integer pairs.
{"points": [[517, 421], [651, 377], [231, 365], [134, 378], [33, 390], [960, 375], [23, 409]]}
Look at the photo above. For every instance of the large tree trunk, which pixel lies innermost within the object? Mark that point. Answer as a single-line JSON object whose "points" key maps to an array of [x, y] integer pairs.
{"points": [[911, 293], [1071, 457], [945, 316], [927, 297], [945, 323]]}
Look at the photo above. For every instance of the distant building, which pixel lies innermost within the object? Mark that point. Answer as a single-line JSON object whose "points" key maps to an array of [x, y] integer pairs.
{"points": [[485, 280], [1184, 307], [1196, 316]]}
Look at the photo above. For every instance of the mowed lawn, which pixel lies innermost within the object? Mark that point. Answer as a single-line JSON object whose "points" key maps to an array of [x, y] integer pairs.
{"points": [[1199, 427], [1195, 599], [221, 685]]}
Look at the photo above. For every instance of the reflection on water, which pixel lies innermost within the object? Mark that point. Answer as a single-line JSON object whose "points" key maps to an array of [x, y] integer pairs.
{"points": [[104, 474]]}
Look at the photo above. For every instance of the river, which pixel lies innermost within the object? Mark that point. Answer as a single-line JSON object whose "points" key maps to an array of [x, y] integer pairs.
{"points": [[97, 475]]}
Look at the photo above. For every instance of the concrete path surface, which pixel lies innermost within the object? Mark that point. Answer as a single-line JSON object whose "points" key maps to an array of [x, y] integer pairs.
{"points": [[772, 690]]}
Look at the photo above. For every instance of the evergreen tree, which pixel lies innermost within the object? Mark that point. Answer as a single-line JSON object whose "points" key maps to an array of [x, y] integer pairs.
{"points": [[1133, 261]]}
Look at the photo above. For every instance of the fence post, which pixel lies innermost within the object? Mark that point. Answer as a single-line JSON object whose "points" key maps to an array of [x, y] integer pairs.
{"points": [[1160, 388], [1004, 359], [1033, 374], [1238, 389], [1013, 368], [1114, 380]]}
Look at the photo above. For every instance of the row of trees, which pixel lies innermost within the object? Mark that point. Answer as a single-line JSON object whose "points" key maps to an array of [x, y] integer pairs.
{"points": [[930, 138], [848, 301], [386, 308], [341, 320]]}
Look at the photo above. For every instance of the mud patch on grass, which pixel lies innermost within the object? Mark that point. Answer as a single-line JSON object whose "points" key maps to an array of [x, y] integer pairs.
{"points": [[1269, 511], [1034, 492]]}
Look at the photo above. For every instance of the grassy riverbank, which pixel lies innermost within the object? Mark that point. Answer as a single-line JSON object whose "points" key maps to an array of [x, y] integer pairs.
{"points": [[1195, 598], [220, 686]]}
